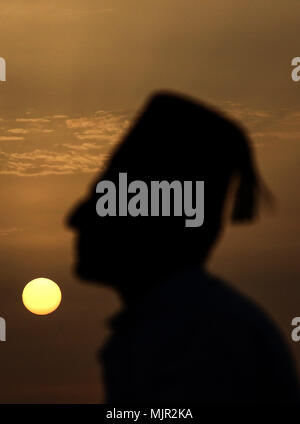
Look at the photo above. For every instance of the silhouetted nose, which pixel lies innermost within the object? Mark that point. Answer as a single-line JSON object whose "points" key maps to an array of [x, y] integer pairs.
{"points": [[78, 215]]}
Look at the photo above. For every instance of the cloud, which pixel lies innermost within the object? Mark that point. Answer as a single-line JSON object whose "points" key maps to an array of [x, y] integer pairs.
{"points": [[284, 127], [10, 138], [18, 131], [45, 130], [35, 129], [61, 116], [41, 162], [102, 126], [33, 120], [250, 117], [86, 143], [4, 232], [79, 123], [83, 146], [266, 127]]}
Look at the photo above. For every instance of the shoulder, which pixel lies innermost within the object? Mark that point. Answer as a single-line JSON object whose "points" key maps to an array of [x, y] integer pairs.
{"points": [[199, 297]]}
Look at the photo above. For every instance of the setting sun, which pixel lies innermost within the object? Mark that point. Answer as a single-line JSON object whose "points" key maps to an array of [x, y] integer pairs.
{"points": [[41, 296]]}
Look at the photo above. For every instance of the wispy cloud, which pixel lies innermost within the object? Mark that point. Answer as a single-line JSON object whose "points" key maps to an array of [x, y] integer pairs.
{"points": [[44, 162], [61, 144], [102, 125], [10, 138], [266, 127], [4, 232], [33, 120], [17, 131], [59, 116], [85, 144]]}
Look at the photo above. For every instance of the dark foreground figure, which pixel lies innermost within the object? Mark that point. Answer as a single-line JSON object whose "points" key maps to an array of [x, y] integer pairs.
{"points": [[182, 336]]}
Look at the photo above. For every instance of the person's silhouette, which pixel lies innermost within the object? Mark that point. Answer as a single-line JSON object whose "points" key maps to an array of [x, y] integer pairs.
{"points": [[182, 335]]}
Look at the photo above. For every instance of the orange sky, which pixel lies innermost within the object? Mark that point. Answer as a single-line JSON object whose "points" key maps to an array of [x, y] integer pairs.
{"points": [[77, 70]]}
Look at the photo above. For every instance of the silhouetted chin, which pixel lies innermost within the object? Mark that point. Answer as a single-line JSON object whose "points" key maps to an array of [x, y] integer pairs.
{"points": [[84, 272], [94, 275]]}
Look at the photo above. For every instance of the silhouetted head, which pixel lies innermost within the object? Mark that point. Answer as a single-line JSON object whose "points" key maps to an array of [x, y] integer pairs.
{"points": [[173, 138]]}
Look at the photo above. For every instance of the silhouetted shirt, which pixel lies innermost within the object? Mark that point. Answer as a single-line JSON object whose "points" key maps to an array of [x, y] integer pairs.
{"points": [[193, 339]]}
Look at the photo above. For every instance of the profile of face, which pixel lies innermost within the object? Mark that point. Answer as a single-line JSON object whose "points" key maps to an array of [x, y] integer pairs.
{"points": [[113, 249], [174, 138]]}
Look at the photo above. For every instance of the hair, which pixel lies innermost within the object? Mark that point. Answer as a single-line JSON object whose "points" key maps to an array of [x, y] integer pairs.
{"points": [[251, 192]]}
